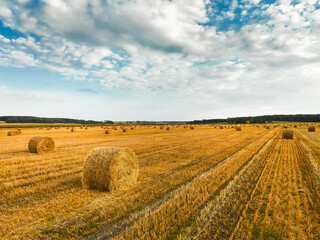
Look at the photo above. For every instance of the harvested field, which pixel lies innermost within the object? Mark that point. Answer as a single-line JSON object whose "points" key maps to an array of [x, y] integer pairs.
{"points": [[200, 184]]}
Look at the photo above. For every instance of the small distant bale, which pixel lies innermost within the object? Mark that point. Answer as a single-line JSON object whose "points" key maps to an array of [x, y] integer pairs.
{"points": [[285, 126], [14, 133], [73, 130], [39, 144], [124, 129], [295, 126], [267, 127], [238, 128], [132, 128], [312, 128], [161, 127], [114, 128], [48, 128], [191, 127], [168, 128], [108, 168], [287, 134], [106, 131], [221, 127], [86, 128]]}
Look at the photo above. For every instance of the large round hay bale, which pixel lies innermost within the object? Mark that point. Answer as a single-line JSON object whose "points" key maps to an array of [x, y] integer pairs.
{"points": [[39, 144], [108, 168], [287, 134], [238, 128], [312, 128]]}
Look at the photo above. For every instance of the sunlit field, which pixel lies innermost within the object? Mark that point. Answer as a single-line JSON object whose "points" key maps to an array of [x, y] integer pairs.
{"points": [[201, 183]]}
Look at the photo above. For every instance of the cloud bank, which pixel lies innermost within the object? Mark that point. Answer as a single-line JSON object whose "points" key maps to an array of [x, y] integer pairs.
{"points": [[224, 53]]}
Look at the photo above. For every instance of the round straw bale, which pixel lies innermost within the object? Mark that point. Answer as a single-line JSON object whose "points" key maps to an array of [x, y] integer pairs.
{"points": [[168, 128], [108, 168], [287, 134], [39, 144], [238, 128], [312, 128], [267, 127], [12, 133], [285, 126], [191, 127], [221, 127], [124, 129], [106, 131], [161, 127], [295, 126]]}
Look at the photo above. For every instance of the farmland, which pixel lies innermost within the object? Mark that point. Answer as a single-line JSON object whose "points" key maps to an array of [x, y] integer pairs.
{"points": [[201, 183]]}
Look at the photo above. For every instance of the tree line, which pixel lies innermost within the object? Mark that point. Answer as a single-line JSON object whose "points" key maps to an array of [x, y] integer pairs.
{"points": [[30, 119], [263, 119]]}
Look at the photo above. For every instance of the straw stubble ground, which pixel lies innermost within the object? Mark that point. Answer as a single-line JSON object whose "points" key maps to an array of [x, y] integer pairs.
{"points": [[182, 173]]}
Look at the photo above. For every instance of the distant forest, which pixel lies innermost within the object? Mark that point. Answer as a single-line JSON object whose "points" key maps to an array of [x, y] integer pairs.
{"points": [[29, 119], [263, 119]]}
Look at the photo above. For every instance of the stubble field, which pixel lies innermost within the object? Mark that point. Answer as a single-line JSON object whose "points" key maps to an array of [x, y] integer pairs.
{"points": [[205, 183]]}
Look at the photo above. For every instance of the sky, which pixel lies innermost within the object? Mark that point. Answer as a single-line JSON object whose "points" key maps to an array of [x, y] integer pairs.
{"points": [[159, 60]]}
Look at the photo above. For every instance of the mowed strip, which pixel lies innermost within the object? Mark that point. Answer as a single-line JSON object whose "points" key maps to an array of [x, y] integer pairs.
{"points": [[279, 204], [54, 193], [161, 219]]}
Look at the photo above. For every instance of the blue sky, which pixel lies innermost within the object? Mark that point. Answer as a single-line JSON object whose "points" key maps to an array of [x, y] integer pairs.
{"points": [[159, 60]]}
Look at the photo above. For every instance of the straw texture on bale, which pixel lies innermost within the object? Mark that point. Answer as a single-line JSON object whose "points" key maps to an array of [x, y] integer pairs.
{"points": [[108, 168], [311, 129], [238, 128], [287, 134], [39, 144]]}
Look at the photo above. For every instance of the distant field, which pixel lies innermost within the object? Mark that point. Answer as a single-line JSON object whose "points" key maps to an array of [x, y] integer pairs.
{"points": [[205, 183]]}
